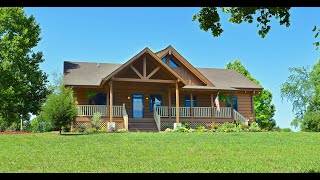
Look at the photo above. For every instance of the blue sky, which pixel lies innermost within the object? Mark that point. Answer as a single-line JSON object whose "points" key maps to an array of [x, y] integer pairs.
{"points": [[117, 34]]}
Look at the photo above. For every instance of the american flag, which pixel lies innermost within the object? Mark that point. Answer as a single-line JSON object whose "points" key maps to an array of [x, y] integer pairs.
{"points": [[217, 102]]}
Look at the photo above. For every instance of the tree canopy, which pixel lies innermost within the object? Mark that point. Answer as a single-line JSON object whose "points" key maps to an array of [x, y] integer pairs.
{"points": [[263, 108], [302, 88], [22, 83], [209, 17]]}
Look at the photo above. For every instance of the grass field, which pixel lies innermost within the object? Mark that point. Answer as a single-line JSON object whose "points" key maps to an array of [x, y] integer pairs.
{"points": [[161, 152]]}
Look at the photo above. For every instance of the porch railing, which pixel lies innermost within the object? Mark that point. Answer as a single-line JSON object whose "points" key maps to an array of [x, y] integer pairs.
{"points": [[156, 117], [238, 116], [225, 112], [125, 116], [89, 110]]}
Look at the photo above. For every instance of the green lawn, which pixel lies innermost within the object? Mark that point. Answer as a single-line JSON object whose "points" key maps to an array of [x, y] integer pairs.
{"points": [[161, 152]]}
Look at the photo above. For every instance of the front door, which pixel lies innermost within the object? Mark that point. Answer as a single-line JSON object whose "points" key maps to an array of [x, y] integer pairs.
{"points": [[137, 105]]}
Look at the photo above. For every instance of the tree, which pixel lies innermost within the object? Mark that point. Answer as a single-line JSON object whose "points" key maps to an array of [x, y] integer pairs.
{"points": [[209, 18], [60, 108], [22, 83], [263, 109], [302, 88]]}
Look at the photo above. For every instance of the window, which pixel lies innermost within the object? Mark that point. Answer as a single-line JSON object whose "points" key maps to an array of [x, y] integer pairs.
{"points": [[164, 60], [172, 64], [234, 102], [187, 101], [98, 99]]}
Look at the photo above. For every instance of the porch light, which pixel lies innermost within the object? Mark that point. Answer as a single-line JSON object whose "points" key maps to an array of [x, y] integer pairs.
{"points": [[128, 97], [147, 97]]}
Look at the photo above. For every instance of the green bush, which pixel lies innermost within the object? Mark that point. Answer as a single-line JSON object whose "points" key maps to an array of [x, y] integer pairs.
{"points": [[3, 124], [66, 128], [180, 129], [96, 119], [39, 124], [74, 130], [60, 108], [254, 128], [13, 127], [91, 130], [121, 131], [185, 124], [102, 129], [81, 128], [199, 128], [286, 130]]}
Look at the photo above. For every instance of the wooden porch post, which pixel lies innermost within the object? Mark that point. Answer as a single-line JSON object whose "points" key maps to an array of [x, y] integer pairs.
{"points": [[107, 102], [177, 103], [191, 105], [231, 102], [111, 101], [212, 108], [169, 105], [252, 108]]}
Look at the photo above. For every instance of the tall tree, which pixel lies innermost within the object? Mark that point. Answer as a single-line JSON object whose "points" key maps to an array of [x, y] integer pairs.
{"points": [[22, 83], [263, 108], [302, 88]]}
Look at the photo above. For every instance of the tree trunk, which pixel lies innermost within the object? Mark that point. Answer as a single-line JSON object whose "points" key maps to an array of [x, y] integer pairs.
{"points": [[60, 130]]}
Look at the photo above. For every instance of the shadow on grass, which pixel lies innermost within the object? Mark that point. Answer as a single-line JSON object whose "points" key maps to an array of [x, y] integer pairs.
{"points": [[312, 171]]}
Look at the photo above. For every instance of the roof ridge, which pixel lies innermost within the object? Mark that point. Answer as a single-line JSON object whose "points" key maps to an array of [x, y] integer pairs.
{"points": [[92, 62]]}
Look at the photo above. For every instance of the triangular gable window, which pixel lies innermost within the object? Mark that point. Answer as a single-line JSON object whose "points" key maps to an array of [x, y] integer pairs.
{"points": [[172, 64]]}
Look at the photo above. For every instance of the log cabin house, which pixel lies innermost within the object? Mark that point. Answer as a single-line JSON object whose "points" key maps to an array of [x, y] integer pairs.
{"points": [[155, 91]]}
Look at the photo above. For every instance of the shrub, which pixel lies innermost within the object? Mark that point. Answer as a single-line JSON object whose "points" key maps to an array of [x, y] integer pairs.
{"points": [[39, 124], [254, 128], [60, 107], [198, 128], [74, 130], [13, 127], [91, 130], [121, 131], [66, 128], [81, 128], [96, 119], [286, 130], [3, 124], [102, 129], [180, 129], [185, 124]]}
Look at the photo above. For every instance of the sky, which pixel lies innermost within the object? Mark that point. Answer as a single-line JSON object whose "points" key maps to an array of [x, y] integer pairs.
{"points": [[116, 34]]}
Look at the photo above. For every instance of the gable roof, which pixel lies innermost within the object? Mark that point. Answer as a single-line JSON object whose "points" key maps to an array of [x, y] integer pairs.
{"points": [[171, 50], [146, 50], [228, 78], [95, 74], [90, 74], [86, 73]]}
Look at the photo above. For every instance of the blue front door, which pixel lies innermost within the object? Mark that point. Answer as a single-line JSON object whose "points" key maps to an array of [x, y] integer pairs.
{"points": [[137, 105]]}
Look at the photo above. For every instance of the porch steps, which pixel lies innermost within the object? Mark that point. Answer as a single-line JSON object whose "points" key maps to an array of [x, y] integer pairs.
{"points": [[142, 125]]}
